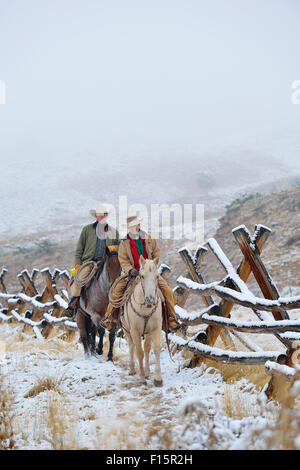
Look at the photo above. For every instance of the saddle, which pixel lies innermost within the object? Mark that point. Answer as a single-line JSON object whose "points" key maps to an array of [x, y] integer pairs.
{"points": [[119, 311], [96, 270]]}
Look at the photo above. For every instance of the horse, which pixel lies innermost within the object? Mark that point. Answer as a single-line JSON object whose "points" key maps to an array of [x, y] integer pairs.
{"points": [[93, 304], [142, 317]]}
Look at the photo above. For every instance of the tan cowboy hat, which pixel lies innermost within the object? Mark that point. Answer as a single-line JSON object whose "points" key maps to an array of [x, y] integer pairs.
{"points": [[101, 209], [133, 220]]}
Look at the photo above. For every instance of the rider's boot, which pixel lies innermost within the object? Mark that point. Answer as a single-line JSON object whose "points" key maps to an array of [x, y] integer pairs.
{"points": [[71, 309], [111, 320], [172, 322]]}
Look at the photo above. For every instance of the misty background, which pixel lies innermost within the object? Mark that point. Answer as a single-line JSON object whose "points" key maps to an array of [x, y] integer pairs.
{"points": [[163, 101]]}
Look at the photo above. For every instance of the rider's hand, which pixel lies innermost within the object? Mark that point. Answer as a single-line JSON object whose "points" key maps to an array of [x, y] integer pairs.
{"points": [[132, 273]]}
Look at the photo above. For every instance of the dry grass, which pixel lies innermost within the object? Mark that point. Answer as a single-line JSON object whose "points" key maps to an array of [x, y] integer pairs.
{"points": [[281, 434], [22, 343], [51, 423], [6, 417], [196, 420], [44, 384], [284, 431], [236, 403], [125, 432], [233, 373], [60, 423]]}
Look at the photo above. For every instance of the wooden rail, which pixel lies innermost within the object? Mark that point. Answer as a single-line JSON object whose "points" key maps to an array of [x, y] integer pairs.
{"points": [[271, 309], [39, 312]]}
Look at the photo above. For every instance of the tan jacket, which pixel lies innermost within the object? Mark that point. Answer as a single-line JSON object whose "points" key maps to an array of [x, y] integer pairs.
{"points": [[126, 258]]}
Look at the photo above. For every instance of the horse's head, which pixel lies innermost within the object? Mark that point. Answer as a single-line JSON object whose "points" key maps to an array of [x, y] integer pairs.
{"points": [[149, 278], [113, 264]]}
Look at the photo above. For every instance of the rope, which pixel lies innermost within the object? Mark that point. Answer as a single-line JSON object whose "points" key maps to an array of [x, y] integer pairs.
{"points": [[125, 297], [89, 277]]}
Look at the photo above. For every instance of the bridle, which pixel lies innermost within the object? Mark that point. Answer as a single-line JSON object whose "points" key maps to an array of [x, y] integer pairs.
{"points": [[147, 317], [143, 289]]}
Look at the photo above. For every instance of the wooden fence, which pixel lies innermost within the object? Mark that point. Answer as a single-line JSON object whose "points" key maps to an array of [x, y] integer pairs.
{"points": [[42, 312], [271, 310]]}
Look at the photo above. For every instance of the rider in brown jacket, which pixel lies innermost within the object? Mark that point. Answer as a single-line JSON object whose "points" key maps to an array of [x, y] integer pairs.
{"points": [[136, 243]]}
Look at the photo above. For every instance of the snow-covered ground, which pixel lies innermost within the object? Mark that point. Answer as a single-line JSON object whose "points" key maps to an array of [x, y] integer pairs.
{"points": [[61, 400]]}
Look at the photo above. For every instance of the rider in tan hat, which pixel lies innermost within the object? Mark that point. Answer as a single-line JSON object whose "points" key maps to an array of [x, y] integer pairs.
{"points": [[138, 243], [91, 245]]}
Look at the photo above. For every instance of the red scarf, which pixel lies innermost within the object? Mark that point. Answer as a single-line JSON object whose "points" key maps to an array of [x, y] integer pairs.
{"points": [[135, 253]]}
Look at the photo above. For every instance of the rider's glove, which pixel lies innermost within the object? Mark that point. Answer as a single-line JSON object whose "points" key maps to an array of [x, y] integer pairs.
{"points": [[132, 273], [73, 271]]}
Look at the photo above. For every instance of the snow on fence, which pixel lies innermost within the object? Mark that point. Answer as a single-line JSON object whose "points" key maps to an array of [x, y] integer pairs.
{"points": [[44, 312], [271, 310]]}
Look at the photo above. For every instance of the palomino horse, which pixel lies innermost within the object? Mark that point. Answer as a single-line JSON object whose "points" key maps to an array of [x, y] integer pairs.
{"points": [[143, 316], [93, 304]]}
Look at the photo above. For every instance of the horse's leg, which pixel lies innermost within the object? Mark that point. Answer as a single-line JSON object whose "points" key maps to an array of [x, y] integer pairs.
{"points": [[157, 348], [101, 333], [131, 354], [112, 336], [81, 323], [136, 338], [92, 337], [147, 347]]}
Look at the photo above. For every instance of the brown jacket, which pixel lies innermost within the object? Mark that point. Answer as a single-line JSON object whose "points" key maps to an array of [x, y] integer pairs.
{"points": [[126, 258]]}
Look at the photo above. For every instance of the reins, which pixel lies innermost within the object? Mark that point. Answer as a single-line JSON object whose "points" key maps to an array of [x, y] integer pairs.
{"points": [[125, 297]]}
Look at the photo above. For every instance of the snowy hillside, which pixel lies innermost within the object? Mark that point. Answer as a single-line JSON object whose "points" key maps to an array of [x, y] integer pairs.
{"points": [[51, 194]]}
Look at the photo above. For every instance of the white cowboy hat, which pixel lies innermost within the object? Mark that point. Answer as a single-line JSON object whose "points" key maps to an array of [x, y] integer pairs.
{"points": [[133, 220], [101, 209]]}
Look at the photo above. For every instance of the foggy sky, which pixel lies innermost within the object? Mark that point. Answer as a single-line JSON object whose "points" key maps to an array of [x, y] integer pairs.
{"points": [[127, 79]]}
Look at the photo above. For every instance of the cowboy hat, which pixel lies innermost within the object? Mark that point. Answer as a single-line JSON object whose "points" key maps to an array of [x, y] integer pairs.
{"points": [[133, 220], [101, 209]]}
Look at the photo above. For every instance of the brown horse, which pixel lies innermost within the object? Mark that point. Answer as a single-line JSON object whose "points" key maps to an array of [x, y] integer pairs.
{"points": [[93, 304]]}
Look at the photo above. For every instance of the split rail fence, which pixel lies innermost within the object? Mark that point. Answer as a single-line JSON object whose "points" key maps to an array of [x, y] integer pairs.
{"points": [[271, 310]]}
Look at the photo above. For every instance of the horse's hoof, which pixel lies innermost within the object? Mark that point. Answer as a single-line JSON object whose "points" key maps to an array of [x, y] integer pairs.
{"points": [[132, 372], [110, 359], [158, 383], [99, 352]]}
